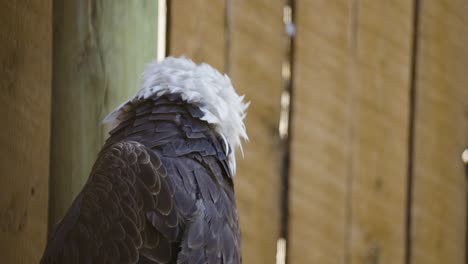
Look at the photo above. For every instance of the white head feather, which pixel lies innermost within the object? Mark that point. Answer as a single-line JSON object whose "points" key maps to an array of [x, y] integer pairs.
{"points": [[200, 85]]}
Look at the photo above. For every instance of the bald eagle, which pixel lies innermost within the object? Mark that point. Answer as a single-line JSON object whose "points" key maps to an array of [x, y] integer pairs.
{"points": [[161, 189]]}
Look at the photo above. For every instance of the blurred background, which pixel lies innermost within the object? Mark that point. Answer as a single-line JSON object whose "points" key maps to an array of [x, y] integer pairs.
{"points": [[358, 117]]}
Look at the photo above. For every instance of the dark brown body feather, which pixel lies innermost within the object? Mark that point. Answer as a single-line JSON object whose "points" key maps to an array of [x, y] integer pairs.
{"points": [[160, 192]]}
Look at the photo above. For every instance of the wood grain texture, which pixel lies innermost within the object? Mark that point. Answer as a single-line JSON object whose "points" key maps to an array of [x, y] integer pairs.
{"points": [[379, 115], [196, 30], [100, 50], [25, 64], [320, 151], [257, 53], [351, 116], [441, 134]]}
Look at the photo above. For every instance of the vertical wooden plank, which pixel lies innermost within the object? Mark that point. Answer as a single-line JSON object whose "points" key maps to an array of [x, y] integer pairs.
{"points": [[257, 52], [348, 182], [441, 133], [318, 177], [100, 50], [25, 63], [380, 80], [196, 30]]}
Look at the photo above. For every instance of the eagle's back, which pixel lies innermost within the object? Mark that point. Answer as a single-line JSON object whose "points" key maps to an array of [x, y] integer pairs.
{"points": [[161, 191], [196, 161]]}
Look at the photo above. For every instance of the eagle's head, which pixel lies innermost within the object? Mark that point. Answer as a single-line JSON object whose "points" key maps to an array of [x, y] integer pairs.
{"points": [[200, 85]]}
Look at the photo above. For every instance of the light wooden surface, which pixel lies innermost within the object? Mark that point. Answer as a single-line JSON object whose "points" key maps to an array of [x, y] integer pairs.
{"points": [[441, 134], [232, 36], [351, 116], [196, 30], [25, 65], [378, 118], [320, 149], [256, 56], [100, 50]]}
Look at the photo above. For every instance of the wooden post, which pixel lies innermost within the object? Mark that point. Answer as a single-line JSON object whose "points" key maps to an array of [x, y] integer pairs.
{"points": [[440, 134], [25, 65], [100, 50]]}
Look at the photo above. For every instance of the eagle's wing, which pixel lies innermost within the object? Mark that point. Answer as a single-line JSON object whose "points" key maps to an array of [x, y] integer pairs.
{"points": [[107, 221], [140, 207]]}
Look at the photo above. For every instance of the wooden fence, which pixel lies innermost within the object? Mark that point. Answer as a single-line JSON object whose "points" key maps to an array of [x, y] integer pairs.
{"points": [[380, 101], [379, 117]]}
